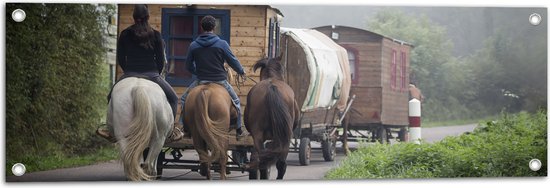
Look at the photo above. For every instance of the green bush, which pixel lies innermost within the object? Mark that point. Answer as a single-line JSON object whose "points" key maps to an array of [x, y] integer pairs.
{"points": [[55, 82], [495, 149]]}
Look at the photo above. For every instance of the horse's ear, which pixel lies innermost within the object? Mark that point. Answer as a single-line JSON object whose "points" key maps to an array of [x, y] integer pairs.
{"points": [[278, 58], [260, 64]]}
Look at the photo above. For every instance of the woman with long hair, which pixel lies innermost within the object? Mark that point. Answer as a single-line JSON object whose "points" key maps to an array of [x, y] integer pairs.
{"points": [[140, 52]]}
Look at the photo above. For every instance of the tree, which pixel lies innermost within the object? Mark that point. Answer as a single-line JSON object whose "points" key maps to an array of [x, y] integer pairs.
{"points": [[510, 73], [432, 49], [431, 46]]}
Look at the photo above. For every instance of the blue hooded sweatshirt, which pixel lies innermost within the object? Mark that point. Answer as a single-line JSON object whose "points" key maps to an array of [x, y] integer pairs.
{"points": [[206, 56]]}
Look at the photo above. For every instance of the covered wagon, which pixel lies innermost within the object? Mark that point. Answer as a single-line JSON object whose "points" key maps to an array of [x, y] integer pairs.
{"points": [[317, 69]]}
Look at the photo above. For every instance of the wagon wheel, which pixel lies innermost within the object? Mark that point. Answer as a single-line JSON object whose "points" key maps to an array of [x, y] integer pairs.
{"points": [[329, 149], [305, 151], [160, 160], [403, 135], [382, 135]]}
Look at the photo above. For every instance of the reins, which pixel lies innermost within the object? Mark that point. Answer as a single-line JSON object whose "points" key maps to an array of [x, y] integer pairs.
{"points": [[241, 79]]}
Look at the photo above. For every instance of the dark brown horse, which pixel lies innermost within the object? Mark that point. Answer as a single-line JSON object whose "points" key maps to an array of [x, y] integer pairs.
{"points": [[207, 114], [270, 115]]}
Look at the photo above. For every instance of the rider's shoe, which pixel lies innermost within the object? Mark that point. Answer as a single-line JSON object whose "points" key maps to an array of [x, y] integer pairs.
{"points": [[175, 136], [104, 132], [240, 133]]}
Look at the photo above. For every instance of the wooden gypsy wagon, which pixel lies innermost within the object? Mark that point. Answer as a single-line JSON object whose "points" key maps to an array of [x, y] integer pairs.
{"points": [[380, 78], [250, 30], [317, 69]]}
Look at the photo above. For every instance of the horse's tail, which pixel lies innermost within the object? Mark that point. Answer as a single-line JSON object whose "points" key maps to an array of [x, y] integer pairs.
{"points": [[138, 136], [280, 118], [209, 130]]}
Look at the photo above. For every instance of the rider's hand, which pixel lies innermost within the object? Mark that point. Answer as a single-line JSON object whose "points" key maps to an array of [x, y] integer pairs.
{"points": [[242, 76]]}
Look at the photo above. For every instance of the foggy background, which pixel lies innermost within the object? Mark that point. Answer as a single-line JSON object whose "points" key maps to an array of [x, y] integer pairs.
{"points": [[467, 27], [470, 62]]}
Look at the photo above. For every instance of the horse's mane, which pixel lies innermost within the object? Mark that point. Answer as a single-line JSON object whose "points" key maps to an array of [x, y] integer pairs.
{"points": [[273, 67]]}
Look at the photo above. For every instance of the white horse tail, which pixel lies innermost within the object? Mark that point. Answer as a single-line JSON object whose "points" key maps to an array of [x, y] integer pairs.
{"points": [[138, 136]]}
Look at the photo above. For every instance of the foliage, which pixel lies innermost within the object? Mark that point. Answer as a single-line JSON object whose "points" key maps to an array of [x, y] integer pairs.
{"points": [[518, 78], [431, 46], [495, 149], [56, 81]]}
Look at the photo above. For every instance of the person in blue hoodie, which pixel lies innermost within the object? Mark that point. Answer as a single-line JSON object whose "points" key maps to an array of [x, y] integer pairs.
{"points": [[205, 59]]}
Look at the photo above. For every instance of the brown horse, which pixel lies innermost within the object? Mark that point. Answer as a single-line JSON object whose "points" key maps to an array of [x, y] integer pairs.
{"points": [[270, 115], [208, 113]]}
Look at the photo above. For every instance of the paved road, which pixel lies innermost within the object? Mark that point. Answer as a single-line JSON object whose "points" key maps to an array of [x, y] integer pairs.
{"points": [[113, 171], [434, 134]]}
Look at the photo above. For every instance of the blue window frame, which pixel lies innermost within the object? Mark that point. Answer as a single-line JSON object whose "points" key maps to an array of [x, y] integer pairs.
{"points": [[179, 28]]}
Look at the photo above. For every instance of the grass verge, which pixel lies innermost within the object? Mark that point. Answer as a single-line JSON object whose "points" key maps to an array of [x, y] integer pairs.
{"points": [[501, 148]]}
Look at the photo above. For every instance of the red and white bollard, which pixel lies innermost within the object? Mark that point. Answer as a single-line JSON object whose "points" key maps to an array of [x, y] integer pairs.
{"points": [[414, 121]]}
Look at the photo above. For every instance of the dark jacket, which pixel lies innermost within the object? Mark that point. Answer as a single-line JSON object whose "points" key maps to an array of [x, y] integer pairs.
{"points": [[134, 58], [207, 55]]}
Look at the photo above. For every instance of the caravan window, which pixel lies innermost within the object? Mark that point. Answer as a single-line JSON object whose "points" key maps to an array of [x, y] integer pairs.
{"points": [[179, 28]]}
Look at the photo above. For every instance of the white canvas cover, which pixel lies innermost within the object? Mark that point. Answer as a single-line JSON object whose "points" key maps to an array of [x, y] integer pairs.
{"points": [[327, 74], [344, 65]]}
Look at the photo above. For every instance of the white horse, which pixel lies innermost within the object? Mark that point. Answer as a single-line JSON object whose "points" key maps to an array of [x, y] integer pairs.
{"points": [[141, 118]]}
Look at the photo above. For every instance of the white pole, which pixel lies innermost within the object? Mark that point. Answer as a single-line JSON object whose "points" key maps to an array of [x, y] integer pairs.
{"points": [[414, 120]]}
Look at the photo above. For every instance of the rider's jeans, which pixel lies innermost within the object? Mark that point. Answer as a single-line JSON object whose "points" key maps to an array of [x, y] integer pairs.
{"points": [[155, 77], [224, 83]]}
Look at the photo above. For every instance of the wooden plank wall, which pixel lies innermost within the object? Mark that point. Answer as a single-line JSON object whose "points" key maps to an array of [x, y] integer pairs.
{"points": [[368, 57], [366, 108], [376, 101], [394, 99], [368, 89], [249, 28]]}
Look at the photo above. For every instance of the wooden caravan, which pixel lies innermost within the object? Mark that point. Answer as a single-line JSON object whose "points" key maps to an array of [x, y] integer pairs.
{"points": [[250, 30], [247, 29], [380, 79]]}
